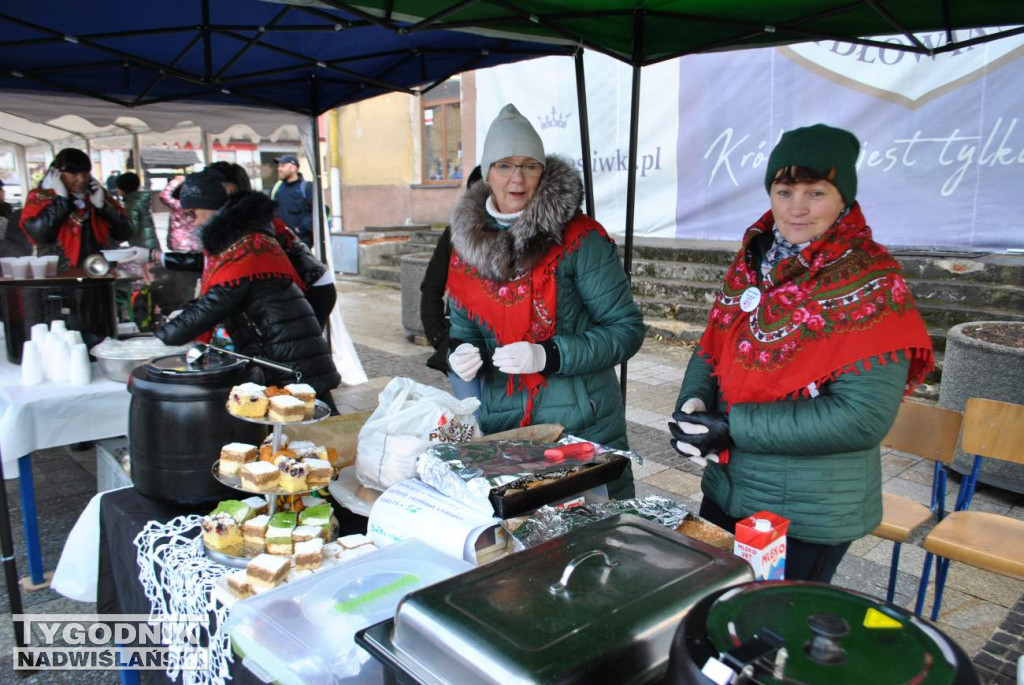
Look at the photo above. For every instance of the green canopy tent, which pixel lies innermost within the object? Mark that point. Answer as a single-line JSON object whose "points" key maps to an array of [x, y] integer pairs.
{"points": [[643, 32]]}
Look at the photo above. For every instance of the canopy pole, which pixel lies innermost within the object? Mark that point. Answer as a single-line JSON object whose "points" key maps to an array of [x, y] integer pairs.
{"points": [[581, 105], [634, 135], [319, 234], [207, 147], [21, 161]]}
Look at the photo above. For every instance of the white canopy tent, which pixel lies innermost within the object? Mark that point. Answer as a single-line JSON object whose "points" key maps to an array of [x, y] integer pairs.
{"points": [[57, 120]]}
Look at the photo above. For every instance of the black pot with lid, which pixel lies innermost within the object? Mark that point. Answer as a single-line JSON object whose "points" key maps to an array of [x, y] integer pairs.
{"points": [[177, 424], [796, 632]]}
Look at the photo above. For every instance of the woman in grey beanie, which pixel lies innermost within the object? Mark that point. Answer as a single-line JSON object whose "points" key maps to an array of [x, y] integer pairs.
{"points": [[540, 304]]}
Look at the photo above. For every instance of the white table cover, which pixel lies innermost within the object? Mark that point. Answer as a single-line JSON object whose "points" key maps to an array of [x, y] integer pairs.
{"points": [[52, 414]]}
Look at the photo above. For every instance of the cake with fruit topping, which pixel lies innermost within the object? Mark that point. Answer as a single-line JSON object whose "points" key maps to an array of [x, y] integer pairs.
{"points": [[248, 400]]}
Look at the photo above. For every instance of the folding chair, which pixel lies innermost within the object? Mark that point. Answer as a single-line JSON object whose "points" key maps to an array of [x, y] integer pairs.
{"points": [[993, 430], [930, 433]]}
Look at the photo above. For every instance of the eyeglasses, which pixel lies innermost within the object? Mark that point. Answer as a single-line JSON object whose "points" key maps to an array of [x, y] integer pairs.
{"points": [[507, 169]]}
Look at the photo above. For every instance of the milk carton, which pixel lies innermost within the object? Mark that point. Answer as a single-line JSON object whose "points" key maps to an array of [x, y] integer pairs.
{"points": [[761, 542]]}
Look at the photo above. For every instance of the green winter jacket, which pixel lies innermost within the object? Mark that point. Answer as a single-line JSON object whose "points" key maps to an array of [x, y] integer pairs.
{"points": [[597, 326], [136, 207], [813, 461]]}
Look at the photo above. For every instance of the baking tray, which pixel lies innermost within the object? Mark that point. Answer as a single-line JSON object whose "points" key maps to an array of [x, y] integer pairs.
{"points": [[592, 476]]}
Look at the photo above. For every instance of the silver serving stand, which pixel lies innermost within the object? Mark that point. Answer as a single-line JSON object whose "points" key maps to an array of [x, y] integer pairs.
{"points": [[320, 412]]}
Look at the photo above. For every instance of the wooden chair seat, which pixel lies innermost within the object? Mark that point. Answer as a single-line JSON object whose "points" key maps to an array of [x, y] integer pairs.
{"points": [[900, 516], [981, 539]]}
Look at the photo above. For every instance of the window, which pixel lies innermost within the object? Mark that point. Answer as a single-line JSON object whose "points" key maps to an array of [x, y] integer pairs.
{"points": [[441, 121]]}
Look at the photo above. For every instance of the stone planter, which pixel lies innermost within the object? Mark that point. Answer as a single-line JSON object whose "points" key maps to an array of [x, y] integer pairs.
{"points": [[976, 367], [414, 267]]}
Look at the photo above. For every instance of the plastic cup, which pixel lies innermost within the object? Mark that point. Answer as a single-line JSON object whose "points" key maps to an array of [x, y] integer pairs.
{"points": [[51, 265], [58, 326], [5, 266], [73, 338], [31, 364], [39, 332], [38, 267], [20, 268], [79, 371], [60, 361]]}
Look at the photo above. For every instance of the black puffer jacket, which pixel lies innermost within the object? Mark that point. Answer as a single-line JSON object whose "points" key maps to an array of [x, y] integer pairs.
{"points": [[267, 317]]}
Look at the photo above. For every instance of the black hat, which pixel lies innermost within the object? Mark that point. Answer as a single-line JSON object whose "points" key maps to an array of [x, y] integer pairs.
{"points": [[287, 159], [72, 160], [204, 190]]}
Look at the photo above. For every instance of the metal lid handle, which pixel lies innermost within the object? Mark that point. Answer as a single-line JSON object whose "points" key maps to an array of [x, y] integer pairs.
{"points": [[563, 583]]}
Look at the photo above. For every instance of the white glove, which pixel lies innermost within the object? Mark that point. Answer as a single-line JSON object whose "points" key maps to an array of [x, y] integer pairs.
{"points": [[694, 404], [96, 194], [465, 361], [53, 182], [139, 255], [520, 357]]}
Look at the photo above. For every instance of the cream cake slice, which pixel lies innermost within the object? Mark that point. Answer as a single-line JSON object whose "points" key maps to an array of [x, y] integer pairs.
{"points": [[279, 533], [303, 533], [320, 472], [238, 584], [254, 534], [286, 409], [267, 571], [257, 504], [259, 475], [309, 554], [307, 394], [234, 455]]}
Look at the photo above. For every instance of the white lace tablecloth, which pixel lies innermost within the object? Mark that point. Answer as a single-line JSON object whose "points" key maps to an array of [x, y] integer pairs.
{"points": [[178, 578]]}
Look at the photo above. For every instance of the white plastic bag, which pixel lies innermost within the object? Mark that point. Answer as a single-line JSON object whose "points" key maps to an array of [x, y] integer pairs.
{"points": [[409, 417]]}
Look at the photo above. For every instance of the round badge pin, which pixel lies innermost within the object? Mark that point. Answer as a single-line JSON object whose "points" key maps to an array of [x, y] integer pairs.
{"points": [[750, 298]]}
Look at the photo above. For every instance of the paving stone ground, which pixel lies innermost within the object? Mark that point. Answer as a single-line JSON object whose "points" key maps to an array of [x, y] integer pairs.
{"points": [[982, 611]]}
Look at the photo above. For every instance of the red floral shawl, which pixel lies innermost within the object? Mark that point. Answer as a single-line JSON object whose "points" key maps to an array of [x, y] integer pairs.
{"points": [[841, 300], [522, 309], [69, 235]]}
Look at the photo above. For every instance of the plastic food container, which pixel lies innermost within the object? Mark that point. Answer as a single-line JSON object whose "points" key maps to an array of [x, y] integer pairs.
{"points": [[303, 632]]}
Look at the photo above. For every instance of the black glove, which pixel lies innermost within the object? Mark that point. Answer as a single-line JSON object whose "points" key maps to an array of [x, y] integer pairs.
{"points": [[700, 433]]}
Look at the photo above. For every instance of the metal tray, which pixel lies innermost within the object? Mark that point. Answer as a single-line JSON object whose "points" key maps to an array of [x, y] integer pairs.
{"points": [[508, 506], [227, 559], [236, 483], [320, 412]]}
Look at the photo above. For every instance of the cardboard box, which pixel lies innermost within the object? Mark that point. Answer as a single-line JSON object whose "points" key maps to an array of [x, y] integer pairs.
{"points": [[761, 542]]}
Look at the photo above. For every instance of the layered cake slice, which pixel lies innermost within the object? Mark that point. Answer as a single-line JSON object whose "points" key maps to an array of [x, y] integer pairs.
{"points": [[222, 533], [307, 394], [254, 534], [267, 571], [279, 533], [292, 474], [260, 476], [351, 542], [303, 533], [267, 446], [257, 504], [320, 472], [309, 554], [238, 584], [240, 511], [248, 400], [234, 455], [286, 409], [319, 516]]}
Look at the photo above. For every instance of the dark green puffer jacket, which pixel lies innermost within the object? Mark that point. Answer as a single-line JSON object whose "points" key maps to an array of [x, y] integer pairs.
{"points": [[814, 461], [598, 325], [136, 207]]}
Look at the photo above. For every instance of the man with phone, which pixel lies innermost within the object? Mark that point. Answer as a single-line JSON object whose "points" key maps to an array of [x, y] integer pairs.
{"points": [[71, 214]]}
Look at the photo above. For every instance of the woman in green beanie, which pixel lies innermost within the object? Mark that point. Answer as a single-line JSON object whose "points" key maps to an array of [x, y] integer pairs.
{"points": [[811, 344]]}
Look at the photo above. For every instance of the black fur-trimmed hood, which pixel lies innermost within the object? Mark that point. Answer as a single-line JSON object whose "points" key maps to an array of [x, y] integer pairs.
{"points": [[497, 254], [246, 212]]}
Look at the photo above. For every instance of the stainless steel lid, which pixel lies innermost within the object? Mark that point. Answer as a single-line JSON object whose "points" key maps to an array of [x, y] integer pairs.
{"points": [[600, 603]]}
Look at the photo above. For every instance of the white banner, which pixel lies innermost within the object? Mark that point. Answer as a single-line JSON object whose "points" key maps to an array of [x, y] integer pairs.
{"points": [[942, 161]]}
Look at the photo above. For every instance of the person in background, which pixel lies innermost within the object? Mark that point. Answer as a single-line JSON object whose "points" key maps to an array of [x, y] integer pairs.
{"points": [[316, 277], [70, 214], [13, 243], [250, 287], [182, 236], [294, 198], [434, 309], [540, 304], [811, 344], [136, 207], [111, 182]]}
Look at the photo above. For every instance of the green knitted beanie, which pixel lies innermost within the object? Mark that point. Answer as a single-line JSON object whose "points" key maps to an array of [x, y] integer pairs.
{"points": [[823, 148]]}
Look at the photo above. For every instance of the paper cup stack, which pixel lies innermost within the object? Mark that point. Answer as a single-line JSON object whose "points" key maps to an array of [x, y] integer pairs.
{"points": [[56, 355]]}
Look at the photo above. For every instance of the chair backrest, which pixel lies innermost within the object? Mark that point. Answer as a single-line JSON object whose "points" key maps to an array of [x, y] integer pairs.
{"points": [[994, 429], [925, 431]]}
